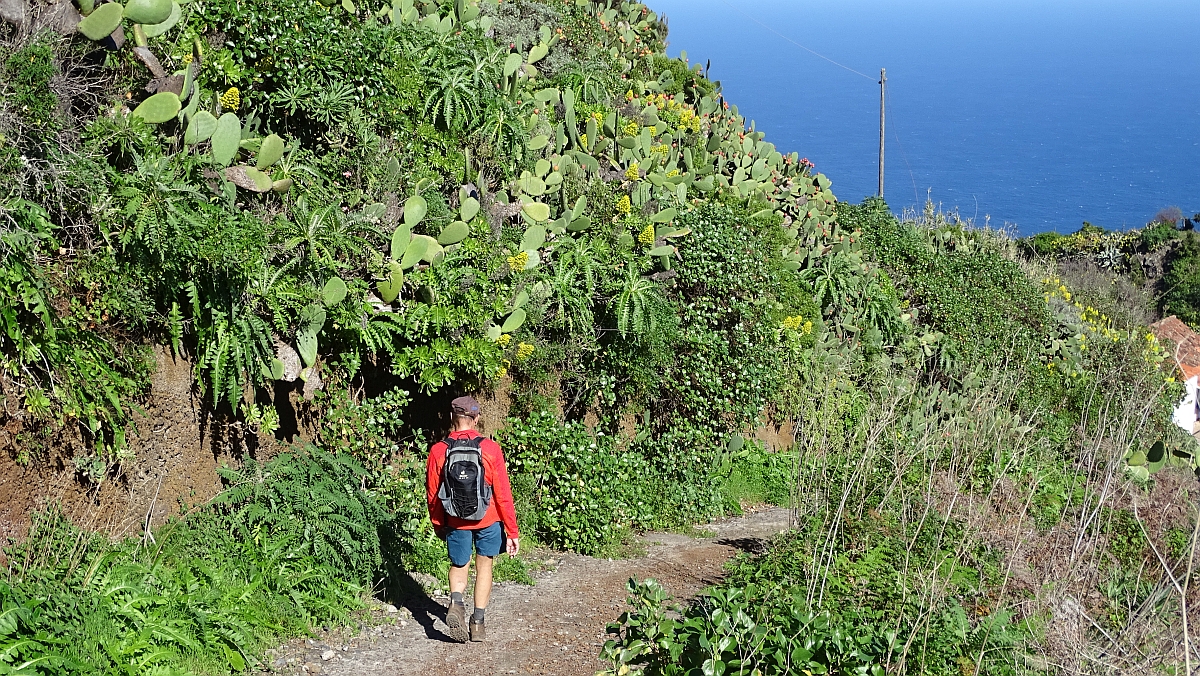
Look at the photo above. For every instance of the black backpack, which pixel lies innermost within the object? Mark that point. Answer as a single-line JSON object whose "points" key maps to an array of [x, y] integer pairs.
{"points": [[464, 492]]}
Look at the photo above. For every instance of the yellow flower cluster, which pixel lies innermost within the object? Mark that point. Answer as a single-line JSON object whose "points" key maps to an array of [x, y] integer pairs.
{"points": [[231, 99], [629, 95], [518, 261], [1097, 325], [660, 149], [624, 205], [504, 340], [1092, 241], [631, 174], [672, 173], [598, 117], [1155, 353], [583, 140], [524, 351], [646, 236], [187, 59], [663, 102], [798, 323], [631, 128], [502, 372], [689, 121]]}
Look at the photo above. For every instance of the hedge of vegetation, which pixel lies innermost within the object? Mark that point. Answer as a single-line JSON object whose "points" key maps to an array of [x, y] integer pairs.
{"points": [[354, 208]]}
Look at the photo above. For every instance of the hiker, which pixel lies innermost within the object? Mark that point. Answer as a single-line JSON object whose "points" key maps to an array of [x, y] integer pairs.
{"points": [[470, 505]]}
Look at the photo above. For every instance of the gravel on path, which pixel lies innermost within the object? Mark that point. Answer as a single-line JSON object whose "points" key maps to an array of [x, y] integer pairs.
{"points": [[555, 627]]}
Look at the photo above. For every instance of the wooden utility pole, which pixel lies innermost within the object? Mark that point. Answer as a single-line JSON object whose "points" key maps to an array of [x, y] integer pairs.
{"points": [[882, 91]]}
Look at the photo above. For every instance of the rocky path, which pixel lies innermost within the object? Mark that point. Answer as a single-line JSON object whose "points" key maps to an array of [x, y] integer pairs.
{"points": [[555, 627]]}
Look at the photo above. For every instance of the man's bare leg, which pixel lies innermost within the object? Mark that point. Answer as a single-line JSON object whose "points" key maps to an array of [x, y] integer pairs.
{"points": [[483, 580], [456, 614], [458, 577]]}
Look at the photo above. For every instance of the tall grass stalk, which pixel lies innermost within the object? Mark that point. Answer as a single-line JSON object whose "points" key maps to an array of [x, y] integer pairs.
{"points": [[928, 454]]}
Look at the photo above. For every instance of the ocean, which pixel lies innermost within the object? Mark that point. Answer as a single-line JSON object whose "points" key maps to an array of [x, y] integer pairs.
{"points": [[1032, 115]]}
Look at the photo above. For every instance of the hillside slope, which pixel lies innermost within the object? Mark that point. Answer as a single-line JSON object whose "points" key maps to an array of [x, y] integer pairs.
{"points": [[335, 217]]}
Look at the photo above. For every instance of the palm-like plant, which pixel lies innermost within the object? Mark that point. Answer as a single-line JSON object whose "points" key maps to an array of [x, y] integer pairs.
{"points": [[324, 235], [452, 99], [502, 130], [454, 79], [154, 197], [636, 305], [572, 286]]}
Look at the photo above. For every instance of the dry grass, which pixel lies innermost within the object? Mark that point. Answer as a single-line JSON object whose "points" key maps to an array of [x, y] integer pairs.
{"points": [[980, 465]]}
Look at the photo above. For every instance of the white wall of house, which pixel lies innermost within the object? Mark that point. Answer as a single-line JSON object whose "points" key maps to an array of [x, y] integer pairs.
{"points": [[1187, 413]]}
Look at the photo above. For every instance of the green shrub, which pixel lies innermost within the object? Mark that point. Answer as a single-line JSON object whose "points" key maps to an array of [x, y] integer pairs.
{"points": [[28, 98], [1155, 235], [1181, 284], [761, 477], [579, 486], [1043, 244], [764, 617], [307, 503], [191, 597]]}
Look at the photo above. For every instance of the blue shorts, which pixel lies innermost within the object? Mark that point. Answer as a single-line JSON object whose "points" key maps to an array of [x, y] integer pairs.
{"points": [[487, 541]]}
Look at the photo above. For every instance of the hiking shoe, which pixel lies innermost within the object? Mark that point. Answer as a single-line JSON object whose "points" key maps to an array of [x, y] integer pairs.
{"points": [[478, 632], [456, 620]]}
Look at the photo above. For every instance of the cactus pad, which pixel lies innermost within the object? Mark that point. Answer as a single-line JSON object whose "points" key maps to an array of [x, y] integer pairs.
{"points": [[159, 108], [155, 30], [249, 178], [415, 209], [536, 211], [514, 321], [534, 238], [334, 292], [225, 138], [413, 253], [102, 21], [389, 288], [269, 152], [454, 233], [201, 128], [148, 12], [469, 209]]}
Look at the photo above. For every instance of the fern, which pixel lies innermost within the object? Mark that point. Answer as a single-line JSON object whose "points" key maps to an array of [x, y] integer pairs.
{"points": [[309, 504]]}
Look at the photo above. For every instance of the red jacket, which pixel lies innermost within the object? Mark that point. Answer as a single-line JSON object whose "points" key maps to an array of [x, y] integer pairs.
{"points": [[495, 473]]}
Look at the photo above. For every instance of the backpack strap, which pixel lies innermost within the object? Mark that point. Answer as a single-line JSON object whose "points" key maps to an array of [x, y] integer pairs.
{"points": [[450, 441]]}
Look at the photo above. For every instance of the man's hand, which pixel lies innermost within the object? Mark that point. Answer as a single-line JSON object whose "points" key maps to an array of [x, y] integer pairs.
{"points": [[514, 546], [442, 532]]}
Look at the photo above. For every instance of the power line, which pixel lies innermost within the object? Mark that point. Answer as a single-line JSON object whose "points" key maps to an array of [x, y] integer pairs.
{"points": [[810, 51], [896, 135], [890, 122]]}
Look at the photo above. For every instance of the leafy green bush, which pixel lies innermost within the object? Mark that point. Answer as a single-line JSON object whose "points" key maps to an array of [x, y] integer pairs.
{"points": [[68, 368], [1155, 235], [761, 620], [33, 107], [761, 477], [582, 489], [1181, 283], [197, 595], [309, 503]]}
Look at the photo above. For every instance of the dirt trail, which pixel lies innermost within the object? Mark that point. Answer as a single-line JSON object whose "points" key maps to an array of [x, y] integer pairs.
{"points": [[555, 627]]}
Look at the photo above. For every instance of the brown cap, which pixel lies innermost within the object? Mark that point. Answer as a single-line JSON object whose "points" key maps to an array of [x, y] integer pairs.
{"points": [[465, 406]]}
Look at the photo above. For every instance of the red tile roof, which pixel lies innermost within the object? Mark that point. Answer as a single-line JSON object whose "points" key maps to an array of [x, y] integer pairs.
{"points": [[1186, 343]]}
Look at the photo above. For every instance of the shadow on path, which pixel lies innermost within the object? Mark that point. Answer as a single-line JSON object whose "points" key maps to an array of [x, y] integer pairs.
{"points": [[401, 590]]}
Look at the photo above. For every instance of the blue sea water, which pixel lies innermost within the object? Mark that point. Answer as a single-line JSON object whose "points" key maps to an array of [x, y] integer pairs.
{"points": [[1038, 115]]}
